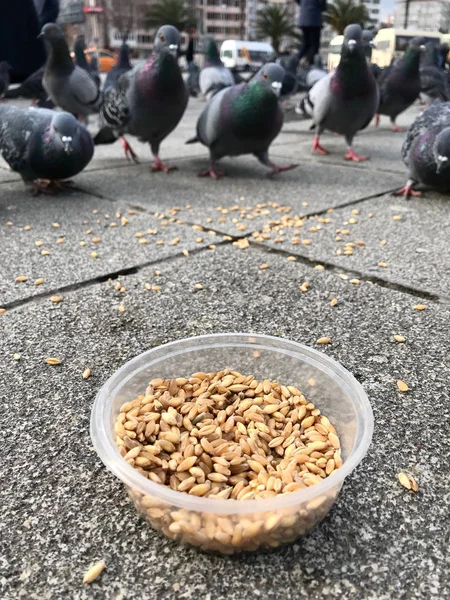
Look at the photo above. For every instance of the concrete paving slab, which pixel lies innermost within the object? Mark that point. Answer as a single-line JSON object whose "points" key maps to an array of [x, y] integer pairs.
{"points": [[307, 189], [63, 511], [69, 263], [401, 242]]}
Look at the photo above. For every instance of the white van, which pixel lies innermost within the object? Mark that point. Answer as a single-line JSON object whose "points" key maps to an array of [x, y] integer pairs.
{"points": [[334, 52], [392, 43], [240, 55]]}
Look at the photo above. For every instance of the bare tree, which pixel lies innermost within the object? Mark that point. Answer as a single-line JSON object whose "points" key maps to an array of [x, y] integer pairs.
{"points": [[121, 14]]}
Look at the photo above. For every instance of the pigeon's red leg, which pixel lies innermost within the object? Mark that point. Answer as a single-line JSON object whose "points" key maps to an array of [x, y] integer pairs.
{"points": [[351, 155], [212, 171], [397, 129], [317, 146], [129, 150], [42, 186], [406, 191], [158, 165], [264, 159], [377, 120]]}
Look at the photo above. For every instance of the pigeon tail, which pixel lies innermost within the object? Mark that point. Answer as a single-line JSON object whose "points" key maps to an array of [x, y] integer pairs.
{"points": [[105, 136], [193, 140]]}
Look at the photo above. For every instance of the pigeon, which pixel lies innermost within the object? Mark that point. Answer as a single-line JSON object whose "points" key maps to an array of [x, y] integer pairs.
{"points": [[94, 70], [346, 99], [433, 79], [213, 76], [123, 65], [33, 89], [147, 102], [243, 119], [426, 150], [44, 146], [400, 84], [4, 78], [368, 44], [69, 86]]}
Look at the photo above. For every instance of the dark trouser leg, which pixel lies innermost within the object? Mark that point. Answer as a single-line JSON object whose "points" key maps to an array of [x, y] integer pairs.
{"points": [[314, 43]]}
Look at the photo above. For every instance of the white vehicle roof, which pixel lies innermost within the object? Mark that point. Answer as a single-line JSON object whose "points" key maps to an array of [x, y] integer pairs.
{"points": [[265, 46]]}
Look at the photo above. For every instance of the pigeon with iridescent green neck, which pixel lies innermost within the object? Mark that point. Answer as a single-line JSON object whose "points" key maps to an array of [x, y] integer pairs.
{"points": [[147, 102], [243, 119], [214, 76]]}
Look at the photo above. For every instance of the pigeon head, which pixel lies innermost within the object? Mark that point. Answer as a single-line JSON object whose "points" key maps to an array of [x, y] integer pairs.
{"points": [[210, 49], [271, 76], [317, 61], [441, 150], [417, 44], [167, 38], [352, 37], [367, 42], [51, 32], [64, 131], [124, 55]]}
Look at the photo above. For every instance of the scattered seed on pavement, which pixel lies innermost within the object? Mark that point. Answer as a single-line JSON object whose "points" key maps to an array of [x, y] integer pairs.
{"points": [[56, 299], [38, 243], [16, 356], [94, 572], [21, 278], [419, 307], [53, 361], [94, 255], [198, 286], [383, 265], [323, 340], [292, 258], [399, 338], [60, 240], [39, 281], [397, 217], [319, 267], [121, 308], [402, 386], [404, 480], [185, 252], [264, 266], [333, 302], [355, 281], [2, 311], [87, 373], [27, 228], [55, 225]]}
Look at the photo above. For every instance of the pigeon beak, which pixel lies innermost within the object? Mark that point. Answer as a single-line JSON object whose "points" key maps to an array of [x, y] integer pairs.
{"points": [[276, 87], [41, 35], [422, 47], [173, 49], [441, 163], [351, 44], [372, 44], [67, 143]]}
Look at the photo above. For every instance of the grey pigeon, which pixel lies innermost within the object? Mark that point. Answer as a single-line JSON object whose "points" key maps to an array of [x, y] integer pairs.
{"points": [[33, 89], [243, 119], [400, 84], [426, 150], [368, 44], [214, 76], [69, 86], [4, 78], [94, 70], [346, 99], [44, 146], [123, 65], [147, 102]]}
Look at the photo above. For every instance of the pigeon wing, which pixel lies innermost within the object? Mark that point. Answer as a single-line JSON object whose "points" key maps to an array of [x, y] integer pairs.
{"points": [[83, 88]]}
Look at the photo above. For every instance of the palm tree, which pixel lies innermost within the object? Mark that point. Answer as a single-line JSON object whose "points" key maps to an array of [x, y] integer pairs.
{"points": [[274, 22], [169, 12], [341, 13]]}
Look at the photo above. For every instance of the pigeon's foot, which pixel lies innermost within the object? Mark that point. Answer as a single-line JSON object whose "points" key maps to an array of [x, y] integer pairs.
{"points": [[377, 120], [317, 147], [158, 165], [397, 129], [43, 186], [351, 155], [277, 169], [406, 191], [129, 152], [212, 171]]}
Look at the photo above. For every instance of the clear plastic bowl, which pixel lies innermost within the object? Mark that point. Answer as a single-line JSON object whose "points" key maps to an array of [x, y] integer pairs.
{"points": [[229, 526]]}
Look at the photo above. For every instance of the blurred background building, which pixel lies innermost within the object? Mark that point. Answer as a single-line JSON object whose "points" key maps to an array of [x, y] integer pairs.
{"points": [[431, 15]]}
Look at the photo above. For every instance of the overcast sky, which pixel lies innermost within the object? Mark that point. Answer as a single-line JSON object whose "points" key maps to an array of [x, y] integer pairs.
{"points": [[387, 8]]}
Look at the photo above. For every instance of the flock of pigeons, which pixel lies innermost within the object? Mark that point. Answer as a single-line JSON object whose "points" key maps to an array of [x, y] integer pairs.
{"points": [[47, 147]]}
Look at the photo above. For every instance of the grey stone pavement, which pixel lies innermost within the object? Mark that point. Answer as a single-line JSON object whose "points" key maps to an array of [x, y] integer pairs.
{"points": [[62, 511]]}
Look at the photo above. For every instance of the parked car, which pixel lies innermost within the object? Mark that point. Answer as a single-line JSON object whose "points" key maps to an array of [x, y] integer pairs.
{"points": [[106, 59], [240, 55]]}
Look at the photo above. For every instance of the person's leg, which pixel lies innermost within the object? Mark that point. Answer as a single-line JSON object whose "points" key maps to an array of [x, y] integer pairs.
{"points": [[296, 58], [314, 44]]}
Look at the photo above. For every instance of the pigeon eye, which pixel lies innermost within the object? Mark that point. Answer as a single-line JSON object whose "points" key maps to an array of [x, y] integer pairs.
{"points": [[265, 75], [55, 128], [161, 37]]}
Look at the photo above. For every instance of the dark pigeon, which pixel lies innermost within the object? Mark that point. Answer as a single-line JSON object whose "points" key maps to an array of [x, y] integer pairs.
{"points": [[81, 61], [70, 87], [346, 99], [434, 82], [426, 150], [4, 78], [400, 83], [45, 147], [368, 44], [33, 89], [123, 65], [214, 76], [243, 119], [149, 101]]}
